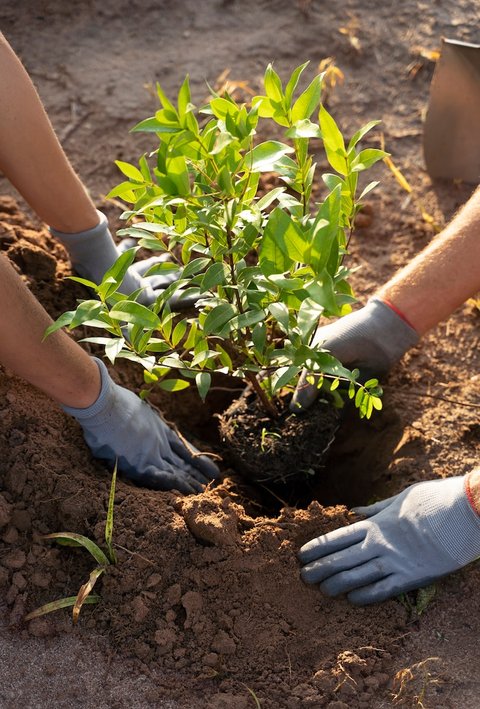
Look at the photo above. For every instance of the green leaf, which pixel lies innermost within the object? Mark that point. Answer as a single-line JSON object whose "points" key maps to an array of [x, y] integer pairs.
{"points": [[224, 180], [283, 242], [61, 603], [366, 158], [265, 155], [132, 312], [110, 513], [215, 275], [360, 133], [334, 384], [82, 541], [292, 83], [202, 358], [259, 336], [244, 320], [144, 169], [269, 198], [148, 362], [224, 358], [125, 190], [164, 100], [284, 376], [371, 186], [113, 347], [218, 318], [203, 381], [273, 85], [223, 107], [87, 310], [270, 109], [149, 125], [195, 266], [160, 269], [290, 285], [424, 597], [333, 142], [325, 230], [308, 316], [222, 141], [281, 314], [178, 174], [376, 402], [159, 124], [184, 98], [62, 321], [132, 172], [332, 181], [173, 384], [116, 273], [308, 101], [178, 332], [304, 129], [322, 292], [359, 397]]}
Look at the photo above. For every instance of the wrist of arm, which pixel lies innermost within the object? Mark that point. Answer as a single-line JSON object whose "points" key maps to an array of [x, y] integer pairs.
{"points": [[472, 489]]}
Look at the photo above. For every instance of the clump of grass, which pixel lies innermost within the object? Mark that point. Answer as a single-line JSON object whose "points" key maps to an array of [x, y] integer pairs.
{"points": [[104, 559]]}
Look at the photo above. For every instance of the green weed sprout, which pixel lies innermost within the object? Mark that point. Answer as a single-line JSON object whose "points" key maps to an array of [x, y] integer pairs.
{"points": [[104, 560], [266, 267]]}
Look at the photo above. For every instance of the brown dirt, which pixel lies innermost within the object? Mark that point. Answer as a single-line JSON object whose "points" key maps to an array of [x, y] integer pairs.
{"points": [[206, 600]]}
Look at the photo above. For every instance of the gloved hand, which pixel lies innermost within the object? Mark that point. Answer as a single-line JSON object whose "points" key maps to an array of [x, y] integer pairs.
{"points": [[371, 339], [120, 425], [428, 530], [94, 251]]}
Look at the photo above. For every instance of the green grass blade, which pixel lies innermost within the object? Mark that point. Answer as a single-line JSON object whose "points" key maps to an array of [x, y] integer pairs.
{"points": [[69, 537], [57, 605], [254, 696], [109, 524]]}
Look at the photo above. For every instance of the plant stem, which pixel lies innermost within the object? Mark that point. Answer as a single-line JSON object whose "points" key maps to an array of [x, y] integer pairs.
{"points": [[266, 403], [231, 264]]}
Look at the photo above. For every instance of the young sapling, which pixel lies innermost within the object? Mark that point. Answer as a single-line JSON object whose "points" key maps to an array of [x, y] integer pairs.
{"points": [[265, 267]]}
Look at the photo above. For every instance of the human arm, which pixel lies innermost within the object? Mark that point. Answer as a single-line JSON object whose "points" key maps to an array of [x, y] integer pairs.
{"points": [[419, 296], [115, 422], [32, 158], [427, 531]]}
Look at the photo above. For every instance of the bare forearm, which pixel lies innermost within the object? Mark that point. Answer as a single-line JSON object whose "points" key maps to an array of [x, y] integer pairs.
{"points": [[31, 156], [57, 366], [444, 275]]}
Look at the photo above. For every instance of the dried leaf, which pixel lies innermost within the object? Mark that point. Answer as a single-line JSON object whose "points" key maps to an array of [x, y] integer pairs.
{"points": [[402, 181], [84, 592], [332, 73]]}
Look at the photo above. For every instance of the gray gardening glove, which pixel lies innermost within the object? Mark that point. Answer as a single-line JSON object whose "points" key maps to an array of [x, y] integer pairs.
{"points": [[371, 339], [408, 541], [94, 251], [120, 425]]}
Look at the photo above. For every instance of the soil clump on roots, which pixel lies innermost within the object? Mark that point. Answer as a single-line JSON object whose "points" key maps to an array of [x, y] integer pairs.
{"points": [[289, 451]]}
